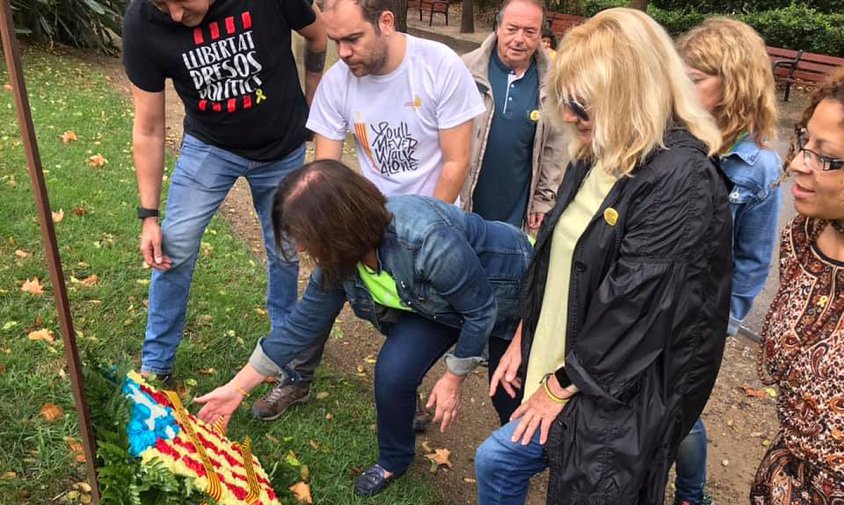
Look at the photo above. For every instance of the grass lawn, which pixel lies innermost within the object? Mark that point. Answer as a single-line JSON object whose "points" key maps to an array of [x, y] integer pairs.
{"points": [[97, 236]]}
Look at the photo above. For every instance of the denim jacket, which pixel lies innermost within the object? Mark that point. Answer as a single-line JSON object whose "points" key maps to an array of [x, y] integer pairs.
{"points": [[755, 208], [449, 266]]}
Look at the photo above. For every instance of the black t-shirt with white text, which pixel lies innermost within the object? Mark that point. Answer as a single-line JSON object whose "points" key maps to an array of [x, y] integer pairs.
{"points": [[234, 72]]}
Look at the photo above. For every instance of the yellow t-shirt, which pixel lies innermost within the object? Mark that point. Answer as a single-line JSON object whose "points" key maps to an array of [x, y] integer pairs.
{"points": [[382, 287], [547, 353]]}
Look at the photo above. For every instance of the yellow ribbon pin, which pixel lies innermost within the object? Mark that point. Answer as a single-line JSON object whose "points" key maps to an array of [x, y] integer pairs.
{"points": [[259, 96], [534, 115], [610, 216]]}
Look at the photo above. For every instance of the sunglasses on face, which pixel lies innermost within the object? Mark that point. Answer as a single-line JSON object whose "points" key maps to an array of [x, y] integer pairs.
{"points": [[577, 109], [812, 159]]}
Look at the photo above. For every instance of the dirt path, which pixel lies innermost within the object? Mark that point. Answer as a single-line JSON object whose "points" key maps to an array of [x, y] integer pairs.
{"points": [[739, 426]]}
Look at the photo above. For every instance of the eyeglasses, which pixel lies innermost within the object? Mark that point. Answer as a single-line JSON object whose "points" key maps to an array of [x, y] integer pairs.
{"points": [[812, 159], [577, 109]]}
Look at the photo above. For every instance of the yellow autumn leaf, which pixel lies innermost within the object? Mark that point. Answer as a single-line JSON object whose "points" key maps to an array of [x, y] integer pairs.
{"points": [[58, 216], [97, 161], [440, 457], [68, 137], [76, 448], [42, 334], [51, 412], [90, 281], [33, 287], [302, 492]]}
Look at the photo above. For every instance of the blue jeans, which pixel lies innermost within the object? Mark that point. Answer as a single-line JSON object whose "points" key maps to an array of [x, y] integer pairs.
{"points": [[203, 176], [504, 468], [691, 466], [411, 348]]}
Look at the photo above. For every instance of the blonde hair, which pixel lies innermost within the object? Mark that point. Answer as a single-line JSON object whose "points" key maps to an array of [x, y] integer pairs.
{"points": [[622, 66], [733, 51]]}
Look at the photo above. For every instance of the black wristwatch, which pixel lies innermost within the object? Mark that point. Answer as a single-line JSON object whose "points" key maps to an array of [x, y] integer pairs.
{"points": [[562, 377], [145, 213]]}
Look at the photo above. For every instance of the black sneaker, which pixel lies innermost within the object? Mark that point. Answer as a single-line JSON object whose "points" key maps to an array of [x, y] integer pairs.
{"points": [[420, 419], [281, 396]]}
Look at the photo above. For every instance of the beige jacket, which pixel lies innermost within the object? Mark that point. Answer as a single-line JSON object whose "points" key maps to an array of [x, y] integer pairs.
{"points": [[549, 147]]}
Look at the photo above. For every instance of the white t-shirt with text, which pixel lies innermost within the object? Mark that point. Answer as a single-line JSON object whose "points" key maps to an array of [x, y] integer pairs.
{"points": [[396, 118]]}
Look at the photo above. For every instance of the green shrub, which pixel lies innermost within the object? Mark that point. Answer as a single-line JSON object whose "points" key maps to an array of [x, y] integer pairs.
{"points": [[792, 27], [800, 27], [746, 6], [77, 23]]}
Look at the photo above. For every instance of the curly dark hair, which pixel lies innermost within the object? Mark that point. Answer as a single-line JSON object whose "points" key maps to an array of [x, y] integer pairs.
{"points": [[336, 215], [831, 88]]}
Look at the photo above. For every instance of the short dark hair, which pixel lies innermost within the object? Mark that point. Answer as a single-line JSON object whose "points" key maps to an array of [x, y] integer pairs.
{"points": [[548, 34], [499, 16], [335, 214], [371, 9]]}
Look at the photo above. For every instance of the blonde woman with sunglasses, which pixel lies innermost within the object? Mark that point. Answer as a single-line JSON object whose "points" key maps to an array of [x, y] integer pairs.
{"points": [[627, 296]]}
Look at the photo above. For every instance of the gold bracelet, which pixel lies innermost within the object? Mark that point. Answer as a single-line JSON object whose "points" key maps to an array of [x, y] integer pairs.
{"points": [[551, 395], [240, 390]]}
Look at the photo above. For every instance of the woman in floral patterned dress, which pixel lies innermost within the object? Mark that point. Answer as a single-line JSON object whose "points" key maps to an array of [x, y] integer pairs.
{"points": [[803, 338]]}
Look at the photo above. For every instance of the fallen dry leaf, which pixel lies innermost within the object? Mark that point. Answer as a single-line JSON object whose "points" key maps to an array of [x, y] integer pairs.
{"points": [[753, 393], [51, 412], [469, 480], [7, 87], [8, 476], [79, 211], [97, 161], [20, 253], [208, 371], [58, 216], [33, 287], [43, 334], [90, 281], [68, 137], [440, 458], [76, 448], [314, 444], [322, 395], [426, 446], [302, 492], [329, 416]]}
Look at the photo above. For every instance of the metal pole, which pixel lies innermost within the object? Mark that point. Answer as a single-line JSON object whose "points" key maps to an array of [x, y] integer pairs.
{"points": [[48, 235]]}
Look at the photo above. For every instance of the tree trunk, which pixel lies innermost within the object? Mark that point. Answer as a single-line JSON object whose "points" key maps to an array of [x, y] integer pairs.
{"points": [[467, 19], [642, 5], [399, 8]]}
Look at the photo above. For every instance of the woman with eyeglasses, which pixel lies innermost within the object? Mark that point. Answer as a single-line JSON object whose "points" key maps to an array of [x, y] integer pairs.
{"points": [[802, 351], [627, 296], [728, 63]]}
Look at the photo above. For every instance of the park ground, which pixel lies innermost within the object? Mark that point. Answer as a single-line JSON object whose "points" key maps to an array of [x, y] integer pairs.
{"points": [[334, 435]]}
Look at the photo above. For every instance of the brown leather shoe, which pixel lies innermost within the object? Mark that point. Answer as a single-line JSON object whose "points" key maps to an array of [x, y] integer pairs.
{"points": [[281, 396]]}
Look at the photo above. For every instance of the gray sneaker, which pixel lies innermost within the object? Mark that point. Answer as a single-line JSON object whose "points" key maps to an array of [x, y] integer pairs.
{"points": [[281, 396]]}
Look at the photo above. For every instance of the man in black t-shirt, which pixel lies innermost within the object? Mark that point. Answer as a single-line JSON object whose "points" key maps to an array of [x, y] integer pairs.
{"points": [[232, 66]]}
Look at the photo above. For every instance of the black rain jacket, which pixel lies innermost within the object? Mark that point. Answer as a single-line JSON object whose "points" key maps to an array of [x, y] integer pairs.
{"points": [[649, 301]]}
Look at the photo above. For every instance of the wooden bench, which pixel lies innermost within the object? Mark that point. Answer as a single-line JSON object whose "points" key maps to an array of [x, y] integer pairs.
{"points": [[560, 23], [800, 67], [431, 7]]}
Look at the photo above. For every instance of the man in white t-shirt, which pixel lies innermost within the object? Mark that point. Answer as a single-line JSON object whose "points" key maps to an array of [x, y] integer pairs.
{"points": [[409, 103]]}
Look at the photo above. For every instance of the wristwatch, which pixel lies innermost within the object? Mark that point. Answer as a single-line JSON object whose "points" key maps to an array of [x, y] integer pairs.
{"points": [[145, 213], [562, 377]]}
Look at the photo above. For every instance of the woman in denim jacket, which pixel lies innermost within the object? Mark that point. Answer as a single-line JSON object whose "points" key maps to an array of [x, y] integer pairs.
{"points": [[729, 66], [427, 275]]}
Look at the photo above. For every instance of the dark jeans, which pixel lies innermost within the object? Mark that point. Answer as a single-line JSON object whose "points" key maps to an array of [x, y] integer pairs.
{"points": [[691, 466], [504, 405], [409, 351]]}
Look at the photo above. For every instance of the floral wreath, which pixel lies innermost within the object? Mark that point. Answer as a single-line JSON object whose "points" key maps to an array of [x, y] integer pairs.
{"points": [[161, 429]]}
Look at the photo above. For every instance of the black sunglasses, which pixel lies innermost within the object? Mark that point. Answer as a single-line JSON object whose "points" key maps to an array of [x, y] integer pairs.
{"points": [[577, 109], [812, 159]]}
